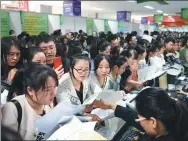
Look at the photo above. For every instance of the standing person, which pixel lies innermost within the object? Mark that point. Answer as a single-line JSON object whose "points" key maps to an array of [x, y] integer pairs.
{"points": [[47, 45], [184, 54], [99, 78], [39, 89], [73, 86], [141, 56], [168, 55], [12, 33], [11, 58], [104, 48]]}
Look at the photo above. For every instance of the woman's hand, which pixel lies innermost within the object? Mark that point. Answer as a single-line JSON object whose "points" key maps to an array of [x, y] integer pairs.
{"points": [[88, 108], [103, 104], [11, 74], [93, 117], [59, 71]]}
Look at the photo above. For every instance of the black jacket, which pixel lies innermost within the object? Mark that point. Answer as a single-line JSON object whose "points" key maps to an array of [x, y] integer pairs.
{"points": [[129, 115]]}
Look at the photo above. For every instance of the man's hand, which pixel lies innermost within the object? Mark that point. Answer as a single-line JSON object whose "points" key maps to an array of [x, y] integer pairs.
{"points": [[59, 71]]}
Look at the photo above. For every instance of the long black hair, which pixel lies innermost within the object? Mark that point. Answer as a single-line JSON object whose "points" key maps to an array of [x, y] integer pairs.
{"points": [[155, 102], [98, 60], [31, 75], [6, 44]]}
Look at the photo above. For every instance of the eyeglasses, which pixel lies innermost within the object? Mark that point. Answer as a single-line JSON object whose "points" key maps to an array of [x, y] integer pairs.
{"points": [[81, 71], [140, 119]]}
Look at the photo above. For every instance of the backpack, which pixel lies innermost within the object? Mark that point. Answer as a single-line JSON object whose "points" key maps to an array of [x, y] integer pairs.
{"points": [[19, 110]]}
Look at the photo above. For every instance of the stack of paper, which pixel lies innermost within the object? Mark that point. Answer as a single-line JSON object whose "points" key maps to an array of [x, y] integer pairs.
{"points": [[76, 130]]}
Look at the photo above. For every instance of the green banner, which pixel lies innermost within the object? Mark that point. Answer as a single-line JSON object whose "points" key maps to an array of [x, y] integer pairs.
{"points": [[61, 19], [184, 13], [34, 23], [90, 26], [106, 26], [5, 23], [158, 18]]}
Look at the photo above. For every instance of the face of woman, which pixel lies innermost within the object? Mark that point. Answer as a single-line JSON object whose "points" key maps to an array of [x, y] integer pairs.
{"points": [[122, 68], [107, 51], [103, 69], [130, 60], [13, 56], [39, 58], [150, 126], [65, 41], [44, 96], [81, 70]]}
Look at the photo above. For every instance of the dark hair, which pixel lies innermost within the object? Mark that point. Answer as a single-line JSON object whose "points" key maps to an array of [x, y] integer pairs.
{"points": [[9, 134], [127, 53], [155, 102], [146, 32], [11, 32], [98, 60], [117, 61], [35, 77], [6, 44], [31, 53], [115, 50], [94, 48], [80, 31], [150, 48], [169, 39], [139, 50], [43, 38], [103, 46], [184, 42], [74, 59]]}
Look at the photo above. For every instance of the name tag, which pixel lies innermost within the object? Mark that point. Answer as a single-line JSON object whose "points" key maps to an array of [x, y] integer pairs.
{"points": [[74, 100]]}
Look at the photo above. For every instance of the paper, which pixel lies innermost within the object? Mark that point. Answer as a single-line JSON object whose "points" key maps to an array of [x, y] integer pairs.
{"points": [[103, 114], [73, 127], [57, 115]]}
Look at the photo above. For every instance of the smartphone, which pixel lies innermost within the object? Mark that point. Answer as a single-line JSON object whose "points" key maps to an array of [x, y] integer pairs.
{"points": [[57, 62]]}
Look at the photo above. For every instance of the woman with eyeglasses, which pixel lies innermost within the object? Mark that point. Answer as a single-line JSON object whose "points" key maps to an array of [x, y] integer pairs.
{"points": [[11, 58], [73, 86], [161, 117]]}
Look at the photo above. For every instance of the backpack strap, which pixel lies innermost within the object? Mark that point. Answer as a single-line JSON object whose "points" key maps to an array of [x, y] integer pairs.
{"points": [[19, 110]]}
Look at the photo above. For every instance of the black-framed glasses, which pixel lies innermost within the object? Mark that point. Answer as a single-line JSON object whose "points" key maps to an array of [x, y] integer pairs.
{"points": [[81, 70]]}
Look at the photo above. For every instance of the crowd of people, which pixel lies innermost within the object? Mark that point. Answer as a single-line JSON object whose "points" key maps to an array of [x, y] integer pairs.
{"points": [[91, 64]]}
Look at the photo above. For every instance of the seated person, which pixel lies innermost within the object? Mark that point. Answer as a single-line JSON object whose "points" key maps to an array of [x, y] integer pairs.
{"points": [[156, 114], [39, 89], [73, 86], [168, 55]]}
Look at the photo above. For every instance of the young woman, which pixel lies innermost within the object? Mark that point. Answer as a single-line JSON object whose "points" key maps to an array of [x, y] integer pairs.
{"points": [[99, 78], [162, 118], [118, 65], [10, 58], [39, 89], [35, 55], [104, 48], [129, 77], [141, 56], [73, 86], [160, 53]]}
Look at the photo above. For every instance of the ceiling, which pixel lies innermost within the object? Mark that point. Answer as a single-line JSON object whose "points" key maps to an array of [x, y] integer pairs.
{"points": [[136, 9]]}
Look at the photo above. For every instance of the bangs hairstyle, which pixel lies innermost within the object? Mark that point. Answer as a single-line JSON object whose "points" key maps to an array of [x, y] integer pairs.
{"points": [[32, 51], [98, 60], [43, 38], [76, 58], [117, 61], [36, 75]]}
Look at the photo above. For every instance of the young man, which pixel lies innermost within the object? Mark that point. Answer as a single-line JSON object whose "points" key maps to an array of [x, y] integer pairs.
{"points": [[168, 55], [48, 46]]}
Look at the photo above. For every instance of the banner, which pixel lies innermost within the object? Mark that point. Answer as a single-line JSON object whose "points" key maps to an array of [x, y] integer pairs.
{"points": [[106, 26], [5, 23], [34, 23], [158, 17], [61, 19], [144, 20], [123, 16], [23, 5], [72, 8], [90, 25], [184, 13]]}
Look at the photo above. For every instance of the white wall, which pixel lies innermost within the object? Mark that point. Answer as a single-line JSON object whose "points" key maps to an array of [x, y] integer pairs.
{"points": [[68, 24], [113, 26], [80, 23], [98, 25], [53, 23], [15, 21]]}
